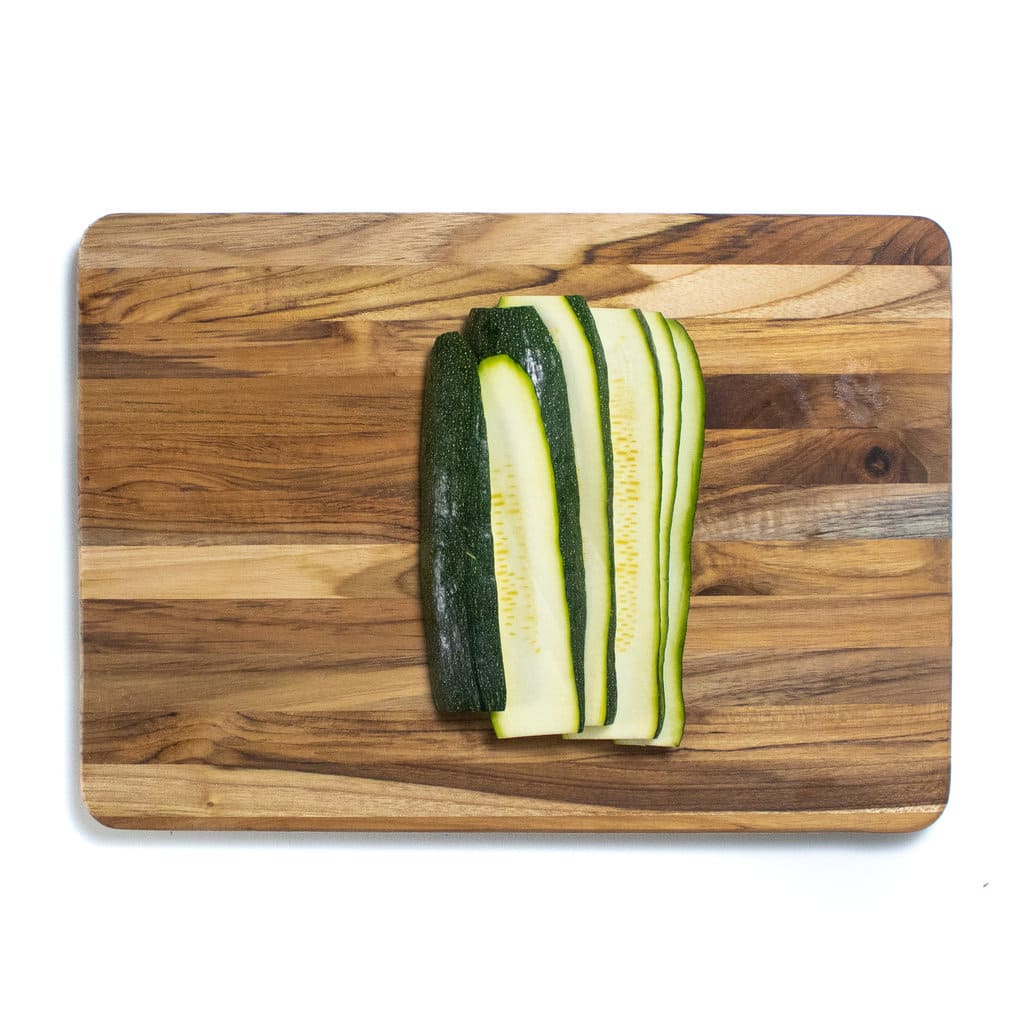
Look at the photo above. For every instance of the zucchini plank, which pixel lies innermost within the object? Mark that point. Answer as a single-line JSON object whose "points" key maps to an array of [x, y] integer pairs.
{"points": [[460, 603], [635, 414], [691, 453], [688, 465], [533, 611], [670, 384], [575, 335], [520, 334]]}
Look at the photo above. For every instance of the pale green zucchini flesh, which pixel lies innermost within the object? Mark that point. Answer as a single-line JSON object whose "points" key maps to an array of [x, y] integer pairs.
{"points": [[533, 613], [669, 380], [680, 573], [691, 452], [583, 363], [635, 416]]}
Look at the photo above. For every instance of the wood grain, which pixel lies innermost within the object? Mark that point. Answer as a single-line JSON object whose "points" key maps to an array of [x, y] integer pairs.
{"points": [[249, 390], [271, 296], [368, 239], [800, 754], [778, 512], [207, 797], [174, 685], [389, 571], [204, 642], [836, 345]]}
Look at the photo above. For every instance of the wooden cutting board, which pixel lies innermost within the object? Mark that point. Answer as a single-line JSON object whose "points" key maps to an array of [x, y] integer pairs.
{"points": [[249, 391]]}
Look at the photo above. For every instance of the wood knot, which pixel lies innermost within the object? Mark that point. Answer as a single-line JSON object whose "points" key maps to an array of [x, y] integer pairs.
{"points": [[878, 462]]}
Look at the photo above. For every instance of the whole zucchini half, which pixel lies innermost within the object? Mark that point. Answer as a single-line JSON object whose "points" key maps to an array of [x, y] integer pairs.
{"points": [[460, 602]]}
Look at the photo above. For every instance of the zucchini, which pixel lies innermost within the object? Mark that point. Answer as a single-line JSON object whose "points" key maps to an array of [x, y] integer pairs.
{"points": [[460, 602], [575, 335], [561, 453], [533, 609], [634, 395], [520, 334], [669, 383], [690, 457], [680, 574]]}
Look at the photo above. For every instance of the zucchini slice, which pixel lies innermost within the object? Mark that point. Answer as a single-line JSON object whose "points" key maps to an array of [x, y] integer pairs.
{"points": [[634, 398], [680, 573], [533, 611], [520, 334], [691, 454], [670, 384], [460, 601], [575, 335]]}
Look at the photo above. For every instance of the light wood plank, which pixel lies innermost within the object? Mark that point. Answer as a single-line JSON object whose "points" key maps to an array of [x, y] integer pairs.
{"points": [[214, 240], [264, 296], [388, 571], [203, 797], [855, 346], [238, 571], [775, 512]]}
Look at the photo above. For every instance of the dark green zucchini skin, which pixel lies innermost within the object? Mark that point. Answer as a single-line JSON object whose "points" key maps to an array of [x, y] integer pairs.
{"points": [[457, 584], [519, 333], [579, 306]]}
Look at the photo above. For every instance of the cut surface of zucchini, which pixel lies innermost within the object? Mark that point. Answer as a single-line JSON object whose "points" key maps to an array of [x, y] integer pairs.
{"points": [[688, 466], [670, 384], [634, 407], [578, 342], [533, 613], [519, 333]]}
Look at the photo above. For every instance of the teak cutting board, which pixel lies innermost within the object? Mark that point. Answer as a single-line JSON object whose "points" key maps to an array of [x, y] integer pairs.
{"points": [[249, 392]]}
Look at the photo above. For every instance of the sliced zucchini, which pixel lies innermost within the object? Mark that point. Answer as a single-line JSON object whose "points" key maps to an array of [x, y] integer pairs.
{"points": [[520, 334], [634, 399], [575, 335], [533, 611], [460, 602], [669, 381], [688, 465], [691, 453]]}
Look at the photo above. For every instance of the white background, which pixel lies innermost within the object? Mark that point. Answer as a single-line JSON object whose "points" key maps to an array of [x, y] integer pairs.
{"points": [[773, 108]]}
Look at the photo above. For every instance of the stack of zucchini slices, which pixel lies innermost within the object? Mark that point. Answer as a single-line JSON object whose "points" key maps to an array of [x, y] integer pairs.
{"points": [[560, 458]]}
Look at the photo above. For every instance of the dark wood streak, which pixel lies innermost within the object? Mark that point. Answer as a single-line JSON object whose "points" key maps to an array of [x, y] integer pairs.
{"points": [[894, 350], [175, 683], [781, 401], [786, 239], [799, 768], [829, 456], [308, 348], [243, 636], [264, 296], [176, 654], [791, 678]]}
